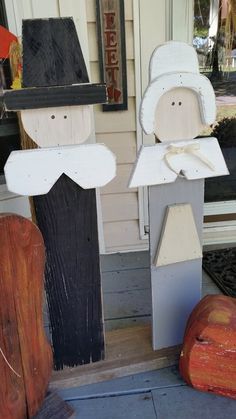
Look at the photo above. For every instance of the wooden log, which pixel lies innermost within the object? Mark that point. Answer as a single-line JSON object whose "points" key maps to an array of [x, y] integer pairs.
{"points": [[208, 357], [26, 358]]}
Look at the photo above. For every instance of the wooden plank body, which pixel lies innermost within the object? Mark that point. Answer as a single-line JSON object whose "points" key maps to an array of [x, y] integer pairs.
{"points": [[67, 215], [22, 336], [68, 219], [208, 358], [176, 288]]}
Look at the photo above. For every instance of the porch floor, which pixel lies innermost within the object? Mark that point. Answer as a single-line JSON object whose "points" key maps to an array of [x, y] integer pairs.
{"points": [[155, 394]]}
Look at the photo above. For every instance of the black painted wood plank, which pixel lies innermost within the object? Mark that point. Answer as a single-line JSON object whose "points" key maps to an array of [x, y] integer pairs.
{"points": [[67, 215], [52, 54], [46, 97], [68, 220]]}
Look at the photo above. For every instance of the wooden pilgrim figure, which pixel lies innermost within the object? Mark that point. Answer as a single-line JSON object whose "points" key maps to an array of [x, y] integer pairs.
{"points": [[62, 175], [176, 105]]}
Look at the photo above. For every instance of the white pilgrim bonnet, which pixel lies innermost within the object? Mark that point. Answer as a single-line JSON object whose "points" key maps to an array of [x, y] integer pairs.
{"points": [[175, 64]]}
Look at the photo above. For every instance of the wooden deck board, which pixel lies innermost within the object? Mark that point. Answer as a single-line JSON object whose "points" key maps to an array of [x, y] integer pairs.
{"points": [[143, 382], [185, 403], [128, 351], [119, 261], [135, 406]]}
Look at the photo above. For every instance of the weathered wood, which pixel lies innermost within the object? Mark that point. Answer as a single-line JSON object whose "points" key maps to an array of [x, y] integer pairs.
{"points": [[123, 261], [208, 357], [68, 219], [45, 62], [67, 214], [52, 127], [55, 408], [136, 406], [112, 52], [146, 381], [184, 403], [49, 97], [128, 351], [176, 288], [22, 337]]}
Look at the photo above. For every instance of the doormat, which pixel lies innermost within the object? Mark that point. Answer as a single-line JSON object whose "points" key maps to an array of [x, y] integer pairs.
{"points": [[220, 265]]}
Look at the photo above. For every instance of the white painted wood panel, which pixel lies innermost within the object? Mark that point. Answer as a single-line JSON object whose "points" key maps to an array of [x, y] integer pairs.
{"points": [[122, 144], [179, 222], [123, 236], [120, 183], [119, 207], [91, 10], [34, 172], [120, 121], [51, 127], [93, 41], [155, 167]]}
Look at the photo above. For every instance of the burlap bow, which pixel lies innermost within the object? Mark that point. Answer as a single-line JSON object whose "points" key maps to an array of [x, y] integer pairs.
{"points": [[193, 149]]}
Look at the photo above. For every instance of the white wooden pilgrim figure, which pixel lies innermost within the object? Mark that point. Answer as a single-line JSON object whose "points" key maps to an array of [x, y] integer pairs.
{"points": [[55, 104], [176, 105]]}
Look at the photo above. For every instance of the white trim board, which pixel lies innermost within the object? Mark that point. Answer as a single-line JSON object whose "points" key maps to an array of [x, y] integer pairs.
{"points": [[221, 207], [222, 232]]}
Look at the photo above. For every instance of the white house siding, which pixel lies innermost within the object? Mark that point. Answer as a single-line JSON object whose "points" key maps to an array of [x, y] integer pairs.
{"points": [[120, 206], [117, 130]]}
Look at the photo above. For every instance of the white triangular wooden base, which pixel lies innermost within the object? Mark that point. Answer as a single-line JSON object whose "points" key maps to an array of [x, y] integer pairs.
{"points": [[179, 239]]}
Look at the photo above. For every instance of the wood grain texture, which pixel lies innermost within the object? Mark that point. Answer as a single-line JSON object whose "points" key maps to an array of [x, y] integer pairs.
{"points": [[52, 127], [22, 337], [48, 97], [54, 407], [208, 358], [67, 217], [45, 62], [128, 351], [67, 214]]}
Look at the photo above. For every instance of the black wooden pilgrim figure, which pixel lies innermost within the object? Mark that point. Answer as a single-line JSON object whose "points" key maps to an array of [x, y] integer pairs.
{"points": [[54, 104]]}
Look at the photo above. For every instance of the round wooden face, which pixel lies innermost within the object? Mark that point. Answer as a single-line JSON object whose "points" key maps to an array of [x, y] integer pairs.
{"points": [[51, 127], [177, 116]]}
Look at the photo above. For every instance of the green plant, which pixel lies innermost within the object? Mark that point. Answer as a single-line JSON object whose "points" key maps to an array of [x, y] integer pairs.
{"points": [[225, 132]]}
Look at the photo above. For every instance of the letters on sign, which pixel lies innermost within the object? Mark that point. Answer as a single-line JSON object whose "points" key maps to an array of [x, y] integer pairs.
{"points": [[112, 54]]}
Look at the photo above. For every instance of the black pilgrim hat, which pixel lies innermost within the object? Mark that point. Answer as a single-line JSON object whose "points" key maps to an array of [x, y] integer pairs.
{"points": [[54, 70]]}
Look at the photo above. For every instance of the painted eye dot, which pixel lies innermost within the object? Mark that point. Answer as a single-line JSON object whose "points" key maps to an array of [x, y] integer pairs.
{"points": [[173, 103], [53, 116], [65, 116], [180, 103]]}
